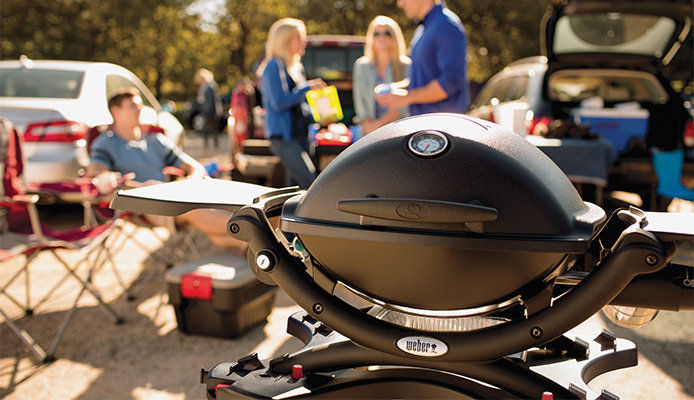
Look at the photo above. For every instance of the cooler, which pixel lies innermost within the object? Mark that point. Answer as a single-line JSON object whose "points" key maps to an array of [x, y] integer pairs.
{"points": [[218, 296], [615, 124], [330, 142]]}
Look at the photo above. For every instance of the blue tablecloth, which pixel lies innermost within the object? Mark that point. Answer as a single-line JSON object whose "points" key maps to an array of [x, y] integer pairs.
{"points": [[582, 160]]}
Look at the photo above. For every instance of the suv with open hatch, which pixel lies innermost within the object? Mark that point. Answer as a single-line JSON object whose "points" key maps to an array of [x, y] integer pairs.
{"points": [[604, 68]]}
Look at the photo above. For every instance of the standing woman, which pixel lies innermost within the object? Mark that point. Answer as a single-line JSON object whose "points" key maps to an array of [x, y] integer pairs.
{"points": [[384, 62], [283, 87]]}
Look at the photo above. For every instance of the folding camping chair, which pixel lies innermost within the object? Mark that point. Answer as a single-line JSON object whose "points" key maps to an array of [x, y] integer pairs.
{"points": [[178, 246], [20, 220], [668, 169]]}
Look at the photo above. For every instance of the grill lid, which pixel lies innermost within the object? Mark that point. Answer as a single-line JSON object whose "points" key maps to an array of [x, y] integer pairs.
{"points": [[442, 212], [445, 173]]}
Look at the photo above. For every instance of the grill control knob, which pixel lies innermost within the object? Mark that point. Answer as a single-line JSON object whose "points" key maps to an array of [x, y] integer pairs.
{"points": [[265, 260]]}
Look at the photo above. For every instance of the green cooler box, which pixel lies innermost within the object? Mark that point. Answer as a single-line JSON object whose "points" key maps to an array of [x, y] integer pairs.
{"points": [[218, 296]]}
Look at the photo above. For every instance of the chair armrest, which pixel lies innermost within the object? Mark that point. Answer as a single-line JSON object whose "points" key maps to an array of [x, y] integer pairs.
{"points": [[25, 198], [29, 200]]}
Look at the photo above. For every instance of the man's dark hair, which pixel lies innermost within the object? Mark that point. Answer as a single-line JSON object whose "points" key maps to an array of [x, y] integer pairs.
{"points": [[119, 95]]}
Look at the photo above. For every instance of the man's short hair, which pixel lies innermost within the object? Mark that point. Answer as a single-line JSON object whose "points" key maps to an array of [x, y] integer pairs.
{"points": [[116, 98]]}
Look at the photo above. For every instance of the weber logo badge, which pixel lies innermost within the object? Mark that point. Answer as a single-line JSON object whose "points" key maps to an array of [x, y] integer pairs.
{"points": [[422, 346], [412, 210]]}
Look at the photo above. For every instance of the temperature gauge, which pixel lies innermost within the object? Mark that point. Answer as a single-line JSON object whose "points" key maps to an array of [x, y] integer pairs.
{"points": [[428, 143]]}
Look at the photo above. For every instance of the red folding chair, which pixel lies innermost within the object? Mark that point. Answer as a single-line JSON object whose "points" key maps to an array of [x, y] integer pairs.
{"points": [[21, 222], [179, 245]]}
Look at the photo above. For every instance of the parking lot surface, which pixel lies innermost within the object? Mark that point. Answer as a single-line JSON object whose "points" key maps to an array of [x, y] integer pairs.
{"points": [[148, 358]]}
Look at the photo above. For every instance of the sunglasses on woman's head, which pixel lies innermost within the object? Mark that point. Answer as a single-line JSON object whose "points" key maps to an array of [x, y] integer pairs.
{"points": [[382, 33]]}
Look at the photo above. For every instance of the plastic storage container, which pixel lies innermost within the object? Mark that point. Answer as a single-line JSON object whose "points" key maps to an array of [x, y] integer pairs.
{"points": [[218, 296], [616, 125]]}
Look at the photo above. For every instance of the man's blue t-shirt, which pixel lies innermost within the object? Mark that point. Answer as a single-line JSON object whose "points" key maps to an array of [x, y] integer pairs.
{"points": [[146, 157], [438, 50]]}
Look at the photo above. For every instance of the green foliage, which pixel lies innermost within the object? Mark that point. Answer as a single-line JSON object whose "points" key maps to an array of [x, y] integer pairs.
{"points": [[345, 17], [164, 44], [499, 32], [155, 39], [243, 31]]}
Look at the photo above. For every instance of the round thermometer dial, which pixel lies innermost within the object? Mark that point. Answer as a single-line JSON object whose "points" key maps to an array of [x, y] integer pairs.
{"points": [[428, 143]]}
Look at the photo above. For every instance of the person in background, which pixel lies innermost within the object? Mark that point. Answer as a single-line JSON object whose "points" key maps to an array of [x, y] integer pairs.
{"points": [[126, 149], [241, 113], [283, 88], [384, 62], [210, 105], [438, 76]]}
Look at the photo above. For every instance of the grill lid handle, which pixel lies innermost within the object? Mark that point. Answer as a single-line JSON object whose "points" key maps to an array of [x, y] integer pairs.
{"points": [[415, 210]]}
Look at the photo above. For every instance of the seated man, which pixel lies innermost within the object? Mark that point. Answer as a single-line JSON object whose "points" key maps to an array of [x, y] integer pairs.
{"points": [[124, 149]]}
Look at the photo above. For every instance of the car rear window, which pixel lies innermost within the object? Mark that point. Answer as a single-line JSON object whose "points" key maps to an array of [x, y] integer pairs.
{"points": [[44, 83], [615, 86], [496, 89], [613, 32], [330, 63]]}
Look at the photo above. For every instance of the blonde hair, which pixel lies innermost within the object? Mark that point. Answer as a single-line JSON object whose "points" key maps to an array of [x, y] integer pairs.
{"points": [[205, 74], [398, 57], [277, 45]]}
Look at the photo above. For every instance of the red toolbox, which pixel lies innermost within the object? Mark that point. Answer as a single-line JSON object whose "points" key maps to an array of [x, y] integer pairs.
{"points": [[218, 296]]}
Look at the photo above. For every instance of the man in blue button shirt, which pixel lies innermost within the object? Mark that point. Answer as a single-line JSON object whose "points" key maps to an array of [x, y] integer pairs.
{"points": [[438, 75]]}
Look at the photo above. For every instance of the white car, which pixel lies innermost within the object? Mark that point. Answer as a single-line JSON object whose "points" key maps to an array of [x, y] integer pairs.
{"points": [[53, 104]]}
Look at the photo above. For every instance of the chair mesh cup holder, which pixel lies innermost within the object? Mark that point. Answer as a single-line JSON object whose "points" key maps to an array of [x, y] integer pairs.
{"points": [[439, 245]]}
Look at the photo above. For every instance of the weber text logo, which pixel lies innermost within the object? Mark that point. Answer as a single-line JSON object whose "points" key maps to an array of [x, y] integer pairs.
{"points": [[422, 346]]}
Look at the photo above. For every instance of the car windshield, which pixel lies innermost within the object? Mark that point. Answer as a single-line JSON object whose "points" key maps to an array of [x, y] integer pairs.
{"points": [[45, 83], [613, 33], [615, 86]]}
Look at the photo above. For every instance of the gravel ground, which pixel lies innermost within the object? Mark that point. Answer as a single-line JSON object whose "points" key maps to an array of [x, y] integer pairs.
{"points": [[148, 358]]}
